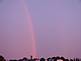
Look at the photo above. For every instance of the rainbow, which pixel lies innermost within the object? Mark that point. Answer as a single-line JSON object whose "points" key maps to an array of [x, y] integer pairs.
{"points": [[30, 24]]}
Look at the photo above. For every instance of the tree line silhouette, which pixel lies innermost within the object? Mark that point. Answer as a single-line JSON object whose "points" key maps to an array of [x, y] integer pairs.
{"points": [[57, 58]]}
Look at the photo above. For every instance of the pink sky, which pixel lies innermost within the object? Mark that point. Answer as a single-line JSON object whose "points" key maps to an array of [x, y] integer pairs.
{"points": [[43, 28]]}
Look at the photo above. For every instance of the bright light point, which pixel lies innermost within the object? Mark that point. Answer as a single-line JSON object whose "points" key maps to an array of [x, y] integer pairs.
{"points": [[59, 60]]}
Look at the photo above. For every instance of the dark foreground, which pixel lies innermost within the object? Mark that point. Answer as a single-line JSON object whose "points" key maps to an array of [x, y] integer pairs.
{"points": [[57, 58]]}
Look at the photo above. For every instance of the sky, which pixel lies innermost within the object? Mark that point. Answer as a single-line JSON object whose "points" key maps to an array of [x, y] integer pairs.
{"points": [[40, 28]]}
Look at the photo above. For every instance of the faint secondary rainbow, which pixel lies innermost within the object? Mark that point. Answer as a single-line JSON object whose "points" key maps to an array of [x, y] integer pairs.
{"points": [[34, 53]]}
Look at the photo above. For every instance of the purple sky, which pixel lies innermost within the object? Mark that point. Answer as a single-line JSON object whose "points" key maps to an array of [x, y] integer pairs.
{"points": [[47, 27]]}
